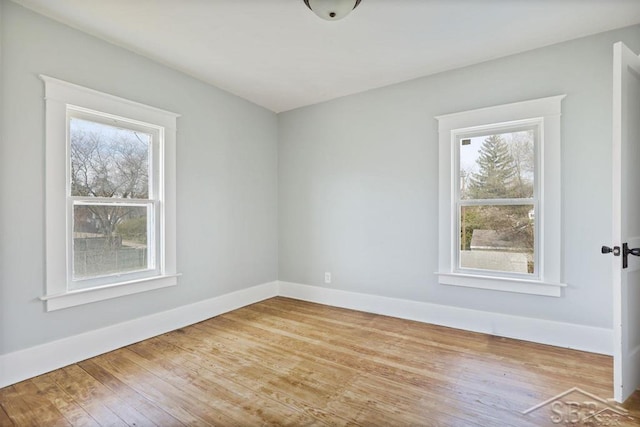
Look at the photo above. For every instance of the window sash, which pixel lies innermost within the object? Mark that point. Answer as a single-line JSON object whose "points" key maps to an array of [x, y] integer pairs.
{"points": [[156, 149], [535, 125], [457, 262], [155, 264]]}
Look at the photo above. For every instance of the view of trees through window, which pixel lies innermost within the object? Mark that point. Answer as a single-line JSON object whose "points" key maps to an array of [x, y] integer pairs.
{"points": [[109, 171], [497, 205]]}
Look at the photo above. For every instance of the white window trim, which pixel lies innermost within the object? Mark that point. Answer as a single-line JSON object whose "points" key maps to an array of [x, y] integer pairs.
{"points": [[548, 282], [58, 95]]}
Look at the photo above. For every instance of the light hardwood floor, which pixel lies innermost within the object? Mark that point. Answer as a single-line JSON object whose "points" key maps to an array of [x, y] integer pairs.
{"points": [[287, 362]]}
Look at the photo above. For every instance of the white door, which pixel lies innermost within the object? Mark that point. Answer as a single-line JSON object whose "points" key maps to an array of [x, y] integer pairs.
{"points": [[626, 221]]}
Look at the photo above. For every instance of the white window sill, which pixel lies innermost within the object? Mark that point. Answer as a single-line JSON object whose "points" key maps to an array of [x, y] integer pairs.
{"points": [[506, 284], [85, 296]]}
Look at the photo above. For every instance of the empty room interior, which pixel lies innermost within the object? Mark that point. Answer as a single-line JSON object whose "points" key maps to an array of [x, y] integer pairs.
{"points": [[319, 212]]}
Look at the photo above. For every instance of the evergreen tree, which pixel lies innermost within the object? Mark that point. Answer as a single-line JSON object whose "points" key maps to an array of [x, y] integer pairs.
{"points": [[495, 179]]}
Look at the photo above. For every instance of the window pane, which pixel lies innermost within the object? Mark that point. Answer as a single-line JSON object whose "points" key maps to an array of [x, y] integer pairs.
{"points": [[497, 166], [109, 239], [108, 161], [497, 238]]}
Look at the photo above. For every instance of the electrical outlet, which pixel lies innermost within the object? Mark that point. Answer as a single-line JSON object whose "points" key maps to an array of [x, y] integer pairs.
{"points": [[327, 277]]}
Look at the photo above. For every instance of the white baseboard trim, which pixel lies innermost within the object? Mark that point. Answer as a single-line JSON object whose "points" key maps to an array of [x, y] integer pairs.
{"points": [[567, 335], [37, 360], [28, 363]]}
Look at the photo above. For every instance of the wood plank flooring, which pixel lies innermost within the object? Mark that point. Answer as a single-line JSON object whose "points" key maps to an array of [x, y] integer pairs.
{"points": [[288, 362]]}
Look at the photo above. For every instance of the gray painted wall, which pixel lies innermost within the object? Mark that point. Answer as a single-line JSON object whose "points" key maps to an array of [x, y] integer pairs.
{"points": [[226, 189], [348, 186], [358, 181]]}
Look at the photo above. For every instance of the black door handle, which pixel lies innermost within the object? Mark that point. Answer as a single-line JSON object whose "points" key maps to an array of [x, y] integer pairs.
{"points": [[608, 250], [626, 252]]}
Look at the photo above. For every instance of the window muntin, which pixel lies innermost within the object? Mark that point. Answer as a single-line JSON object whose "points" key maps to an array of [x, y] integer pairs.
{"points": [[496, 199]]}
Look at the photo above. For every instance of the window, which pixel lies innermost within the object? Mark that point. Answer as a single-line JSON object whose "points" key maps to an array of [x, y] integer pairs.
{"points": [[110, 187], [500, 198], [496, 199]]}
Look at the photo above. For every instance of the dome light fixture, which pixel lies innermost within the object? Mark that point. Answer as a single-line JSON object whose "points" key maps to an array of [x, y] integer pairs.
{"points": [[332, 10]]}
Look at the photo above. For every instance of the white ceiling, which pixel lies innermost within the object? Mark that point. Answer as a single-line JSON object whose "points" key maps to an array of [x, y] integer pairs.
{"points": [[278, 54]]}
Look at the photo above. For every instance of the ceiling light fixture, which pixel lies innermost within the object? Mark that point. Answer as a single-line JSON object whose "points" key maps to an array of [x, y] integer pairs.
{"points": [[332, 10]]}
